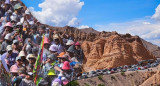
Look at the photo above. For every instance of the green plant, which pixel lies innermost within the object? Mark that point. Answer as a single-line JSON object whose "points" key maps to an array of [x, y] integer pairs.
{"points": [[123, 73], [86, 84], [101, 85], [73, 83], [113, 77], [100, 77]]}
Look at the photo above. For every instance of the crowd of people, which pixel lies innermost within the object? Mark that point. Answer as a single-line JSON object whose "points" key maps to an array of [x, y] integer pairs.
{"points": [[21, 37]]}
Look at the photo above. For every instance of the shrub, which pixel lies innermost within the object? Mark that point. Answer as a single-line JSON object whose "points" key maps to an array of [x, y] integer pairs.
{"points": [[101, 85], [123, 73], [100, 77], [73, 83], [113, 77]]}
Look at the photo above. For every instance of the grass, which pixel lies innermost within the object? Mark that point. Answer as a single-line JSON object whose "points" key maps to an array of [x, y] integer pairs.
{"points": [[123, 73], [100, 77], [101, 85], [73, 83]]}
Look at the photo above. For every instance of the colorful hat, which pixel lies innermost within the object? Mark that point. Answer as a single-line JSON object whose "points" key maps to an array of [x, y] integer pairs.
{"points": [[58, 80], [53, 48], [66, 66], [77, 44], [65, 81], [61, 54], [7, 2], [46, 40], [70, 42], [8, 24], [14, 69]]}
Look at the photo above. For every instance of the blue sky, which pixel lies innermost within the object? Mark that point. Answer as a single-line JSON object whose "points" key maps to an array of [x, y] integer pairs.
{"points": [[137, 17], [109, 11]]}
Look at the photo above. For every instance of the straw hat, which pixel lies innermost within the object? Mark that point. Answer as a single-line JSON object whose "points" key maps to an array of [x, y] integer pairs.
{"points": [[55, 36], [9, 48], [22, 53], [29, 56]]}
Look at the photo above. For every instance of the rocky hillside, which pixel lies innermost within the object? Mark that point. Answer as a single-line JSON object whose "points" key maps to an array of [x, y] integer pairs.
{"points": [[114, 51], [154, 49]]}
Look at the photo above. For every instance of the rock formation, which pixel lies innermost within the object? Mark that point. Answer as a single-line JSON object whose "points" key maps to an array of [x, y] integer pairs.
{"points": [[114, 51]]}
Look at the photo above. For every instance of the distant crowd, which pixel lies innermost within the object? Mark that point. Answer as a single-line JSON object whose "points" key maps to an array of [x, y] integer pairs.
{"points": [[32, 53]]}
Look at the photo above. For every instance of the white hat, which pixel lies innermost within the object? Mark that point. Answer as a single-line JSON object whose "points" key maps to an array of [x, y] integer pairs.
{"points": [[8, 37], [19, 23], [70, 42], [22, 53], [15, 41], [55, 36], [27, 12], [9, 48], [28, 48], [53, 48], [13, 18]]}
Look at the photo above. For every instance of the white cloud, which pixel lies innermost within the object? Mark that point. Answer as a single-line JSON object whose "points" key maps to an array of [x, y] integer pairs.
{"points": [[148, 31], [83, 27], [73, 22], [156, 16], [58, 12], [147, 28]]}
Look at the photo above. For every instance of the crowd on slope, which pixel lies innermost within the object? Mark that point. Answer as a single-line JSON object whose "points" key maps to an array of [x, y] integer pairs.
{"points": [[21, 37]]}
